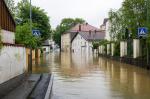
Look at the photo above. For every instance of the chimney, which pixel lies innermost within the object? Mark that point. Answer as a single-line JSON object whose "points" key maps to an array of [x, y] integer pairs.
{"points": [[79, 27], [90, 32], [95, 31]]}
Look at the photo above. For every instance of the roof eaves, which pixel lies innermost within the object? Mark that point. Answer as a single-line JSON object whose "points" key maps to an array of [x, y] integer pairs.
{"points": [[9, 12]]}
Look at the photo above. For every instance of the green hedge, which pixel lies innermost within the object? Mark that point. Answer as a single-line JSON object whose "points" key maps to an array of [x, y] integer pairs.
{"points": [[117, 49]]}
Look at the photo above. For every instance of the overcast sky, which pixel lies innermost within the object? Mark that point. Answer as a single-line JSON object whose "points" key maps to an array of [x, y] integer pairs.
{"points": [[93, 11]]}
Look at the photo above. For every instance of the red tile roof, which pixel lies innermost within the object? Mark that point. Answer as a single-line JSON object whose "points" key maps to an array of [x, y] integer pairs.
{"points": [[84, 27], [88, 32]]}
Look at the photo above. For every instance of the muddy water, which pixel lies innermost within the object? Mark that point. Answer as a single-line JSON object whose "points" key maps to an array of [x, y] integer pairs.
{"points": [[80, 76]]}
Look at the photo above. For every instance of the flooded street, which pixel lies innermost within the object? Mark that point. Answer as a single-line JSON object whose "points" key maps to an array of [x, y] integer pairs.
{"points": [[91, 77]]}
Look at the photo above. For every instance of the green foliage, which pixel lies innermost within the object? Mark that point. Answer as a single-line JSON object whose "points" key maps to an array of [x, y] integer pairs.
{"points": [[11, 5], [117, 49], [57, 36], [24, 36], [95, 45], [39, 18], [104, 42], [130, 16], [65, 25]]}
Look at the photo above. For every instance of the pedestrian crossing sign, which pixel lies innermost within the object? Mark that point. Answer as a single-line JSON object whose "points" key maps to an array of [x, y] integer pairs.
{"points": [[36, 32], [142, 32]]}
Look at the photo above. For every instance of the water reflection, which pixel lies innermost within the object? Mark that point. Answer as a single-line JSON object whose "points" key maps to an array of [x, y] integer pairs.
{"points": [[81, 76]]}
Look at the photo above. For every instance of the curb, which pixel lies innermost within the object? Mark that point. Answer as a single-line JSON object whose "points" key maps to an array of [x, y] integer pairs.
{"points": [[49, 89]]}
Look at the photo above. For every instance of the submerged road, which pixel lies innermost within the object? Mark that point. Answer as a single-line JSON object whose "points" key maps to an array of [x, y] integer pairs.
{"points": [[81, 76]]}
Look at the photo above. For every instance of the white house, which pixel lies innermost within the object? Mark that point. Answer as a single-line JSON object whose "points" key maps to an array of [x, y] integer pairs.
{"points": [[66, 38], [107, 32], [105, 27], [46, 46], [82, 42]]}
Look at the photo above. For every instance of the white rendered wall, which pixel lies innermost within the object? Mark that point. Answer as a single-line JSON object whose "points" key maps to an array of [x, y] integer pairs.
{"points": [[112, 49], [108, 49], [136, 48], [80, 45], [8, 37], [123, 48], [65, 42], [101, 48], [107, 35], [12, 62]]}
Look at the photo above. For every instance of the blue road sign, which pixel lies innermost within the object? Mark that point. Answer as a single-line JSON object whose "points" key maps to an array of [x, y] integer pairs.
{"points": [[36, 32], [142, 32]]}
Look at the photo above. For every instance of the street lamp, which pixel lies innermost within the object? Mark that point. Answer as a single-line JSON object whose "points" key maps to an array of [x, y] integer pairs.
{"points": [[148, 22], [30, 68]]}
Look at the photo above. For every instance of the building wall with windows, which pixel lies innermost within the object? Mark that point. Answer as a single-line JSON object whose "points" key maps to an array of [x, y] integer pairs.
{"points": [[65, 42], [80, 45], [107, 35]]}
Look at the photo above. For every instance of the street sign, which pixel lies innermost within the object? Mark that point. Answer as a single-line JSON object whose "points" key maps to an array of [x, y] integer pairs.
{"points": [[142, 32], [36, 32]]}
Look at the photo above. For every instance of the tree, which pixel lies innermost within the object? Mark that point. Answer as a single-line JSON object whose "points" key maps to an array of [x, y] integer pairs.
{"points": [[39, 18], [24, 36], [11, 5], [66, 24], [129, 17]]}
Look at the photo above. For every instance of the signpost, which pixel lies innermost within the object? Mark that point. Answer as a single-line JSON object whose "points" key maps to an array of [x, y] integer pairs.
{"points": [[142, 32]]}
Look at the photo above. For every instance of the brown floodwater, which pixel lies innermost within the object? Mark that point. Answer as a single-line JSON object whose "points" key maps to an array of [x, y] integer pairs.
{"points": [[81, 76]]}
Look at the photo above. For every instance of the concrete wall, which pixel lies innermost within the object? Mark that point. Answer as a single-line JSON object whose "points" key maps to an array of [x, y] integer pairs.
{"points": [[112, 49], [80, 45], [12, 62], [108, 49], [8, 37], [123, 48], [65, 42], [101, 49], [136, 48]]}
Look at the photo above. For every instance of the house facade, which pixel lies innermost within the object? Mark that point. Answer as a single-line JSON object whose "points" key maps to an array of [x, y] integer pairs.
{"points": [[7, 24], [81, 45], [65, 42], [105, 27], [66, 38], [82, 42]]}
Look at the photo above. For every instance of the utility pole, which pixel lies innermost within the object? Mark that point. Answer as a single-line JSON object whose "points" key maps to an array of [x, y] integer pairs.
{"points": [[30, 64], [148, 22]]}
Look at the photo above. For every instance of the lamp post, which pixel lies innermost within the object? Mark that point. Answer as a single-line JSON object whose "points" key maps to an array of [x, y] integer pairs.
{"points": [[148, 22], [30, 64]]}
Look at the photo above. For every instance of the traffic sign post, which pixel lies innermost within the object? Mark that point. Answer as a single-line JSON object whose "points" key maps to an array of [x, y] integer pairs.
{"points": [[142, 32]]}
